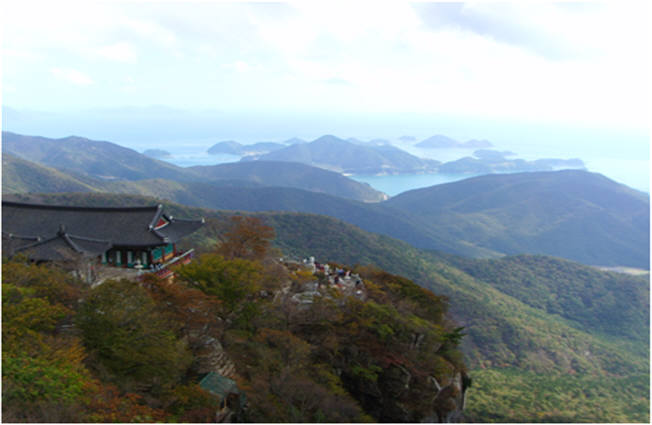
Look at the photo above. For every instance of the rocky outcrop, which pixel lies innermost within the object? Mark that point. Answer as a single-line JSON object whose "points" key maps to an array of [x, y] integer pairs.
{"points": [[399, 395], [213, 358]]}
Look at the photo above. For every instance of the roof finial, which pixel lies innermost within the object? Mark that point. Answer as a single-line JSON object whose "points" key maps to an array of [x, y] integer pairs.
{"points": [[62, 229]]}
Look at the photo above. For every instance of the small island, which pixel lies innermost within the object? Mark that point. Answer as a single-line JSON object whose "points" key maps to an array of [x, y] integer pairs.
{"points": [[439, 141], [157, 153], [492, 161], [234, 148]]}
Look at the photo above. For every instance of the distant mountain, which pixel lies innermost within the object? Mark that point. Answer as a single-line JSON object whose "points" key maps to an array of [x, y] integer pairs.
{"points": [[21, 176], [156, 153], [372, 142], [492, 155], [291, 174], [339, 155], [407, 138], [229, 147], [441, 142], [488, 162], [79, 155], [83, 165], [572, 214], [235, 148]]}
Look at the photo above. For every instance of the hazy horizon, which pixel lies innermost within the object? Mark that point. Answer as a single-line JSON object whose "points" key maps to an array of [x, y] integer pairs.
{"points": [[541, 79]]}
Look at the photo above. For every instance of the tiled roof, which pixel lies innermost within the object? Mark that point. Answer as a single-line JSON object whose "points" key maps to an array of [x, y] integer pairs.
{"points": [[177, 228], [64, 247], [56, 233], [11, 242], [129, 226]]}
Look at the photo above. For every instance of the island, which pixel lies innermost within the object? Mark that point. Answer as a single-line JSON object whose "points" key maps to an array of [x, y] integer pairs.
{"points": [[234, 148], [439, 141], [157, 153]]}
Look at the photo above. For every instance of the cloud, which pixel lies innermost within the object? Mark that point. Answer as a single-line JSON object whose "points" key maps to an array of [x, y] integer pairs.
{"points": [[528, 27], [119, 52], [338, 81], [241, 66], [151, 30], [72, 76]]}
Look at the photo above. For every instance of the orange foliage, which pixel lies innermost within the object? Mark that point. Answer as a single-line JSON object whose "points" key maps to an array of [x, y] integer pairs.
{"points": [[108, 405], [247, 238]]}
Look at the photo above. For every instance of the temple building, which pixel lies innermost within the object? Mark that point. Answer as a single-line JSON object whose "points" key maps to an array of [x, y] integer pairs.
{"points": [[127, 237]]}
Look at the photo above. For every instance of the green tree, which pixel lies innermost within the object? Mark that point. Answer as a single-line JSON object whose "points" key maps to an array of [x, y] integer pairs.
{"points": [[130, 338], [231, 281]]}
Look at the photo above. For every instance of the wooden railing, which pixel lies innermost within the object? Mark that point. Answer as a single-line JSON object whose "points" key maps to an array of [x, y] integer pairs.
{"points": [[164, 272]]}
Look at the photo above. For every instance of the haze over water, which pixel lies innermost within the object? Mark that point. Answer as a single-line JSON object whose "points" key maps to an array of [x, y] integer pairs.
{"points": [[541, 79]]}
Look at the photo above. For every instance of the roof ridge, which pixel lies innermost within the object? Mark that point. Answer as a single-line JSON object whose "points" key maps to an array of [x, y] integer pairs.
{"points": [[38, 242], [84, 238], [79, 208], [14, 235], [152, 224], [69, 241], [157, 216], [173, 219]]}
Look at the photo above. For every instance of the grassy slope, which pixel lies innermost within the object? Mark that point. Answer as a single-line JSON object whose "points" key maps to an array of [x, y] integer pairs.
{"points": [[519, 350]]}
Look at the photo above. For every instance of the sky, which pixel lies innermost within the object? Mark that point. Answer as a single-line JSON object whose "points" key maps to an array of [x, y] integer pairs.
{"points": [[584, 64]]}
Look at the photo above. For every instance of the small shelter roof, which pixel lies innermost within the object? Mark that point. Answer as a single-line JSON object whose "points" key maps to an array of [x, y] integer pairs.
{"points": [[219, 385]]}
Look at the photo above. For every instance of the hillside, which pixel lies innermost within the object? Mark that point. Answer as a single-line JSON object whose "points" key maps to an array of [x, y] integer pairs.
{"points": [[20, 176], [103, 160], [90, 171], [572, 214], [547, 340], [576, 215], [290, 345], [339, 155], [290, 174]]}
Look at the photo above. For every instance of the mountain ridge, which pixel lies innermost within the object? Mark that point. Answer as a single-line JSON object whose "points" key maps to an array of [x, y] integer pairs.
{"points": [[336, 154]]}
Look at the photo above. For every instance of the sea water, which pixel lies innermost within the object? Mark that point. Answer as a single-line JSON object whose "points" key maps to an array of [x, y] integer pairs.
{"points": [[632, 172]]}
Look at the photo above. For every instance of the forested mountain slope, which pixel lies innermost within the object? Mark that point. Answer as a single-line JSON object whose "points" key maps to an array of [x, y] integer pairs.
{"points": [[333, 153], [291, 174], [573, 214], [99, 163], [94, 158], [237, 336], [547, 339], [576, 215], [21, 176]]}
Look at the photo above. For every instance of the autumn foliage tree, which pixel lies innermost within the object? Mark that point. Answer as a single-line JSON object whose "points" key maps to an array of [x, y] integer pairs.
{"points": [[247, 237]]}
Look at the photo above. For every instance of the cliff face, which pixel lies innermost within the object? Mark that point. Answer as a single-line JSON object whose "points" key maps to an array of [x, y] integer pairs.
{"points": [[392, 398], [379, 343]]}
